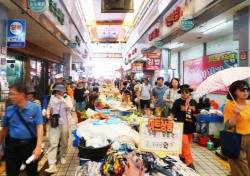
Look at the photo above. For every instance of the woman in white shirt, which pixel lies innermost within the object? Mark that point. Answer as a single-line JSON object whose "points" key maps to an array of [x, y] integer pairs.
{"points": [[171, 93]]}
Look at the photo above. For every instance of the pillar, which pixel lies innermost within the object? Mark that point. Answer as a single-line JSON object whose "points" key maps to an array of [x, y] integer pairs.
{"points": [[244, 35]]}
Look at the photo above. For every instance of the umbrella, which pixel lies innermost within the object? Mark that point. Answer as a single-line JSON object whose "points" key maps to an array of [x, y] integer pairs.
{"points": [[221, 80]]}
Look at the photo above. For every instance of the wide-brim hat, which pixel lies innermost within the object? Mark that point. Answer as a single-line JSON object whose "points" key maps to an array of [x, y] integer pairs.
{"points": [[60, 88], [185, 87]]}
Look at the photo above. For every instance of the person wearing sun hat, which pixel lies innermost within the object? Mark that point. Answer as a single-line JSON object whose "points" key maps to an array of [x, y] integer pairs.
{"points": [[184, 110], [60, 105]]}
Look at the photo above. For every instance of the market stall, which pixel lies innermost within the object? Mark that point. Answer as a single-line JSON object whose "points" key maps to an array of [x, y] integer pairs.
{"points": [[108, 145]]}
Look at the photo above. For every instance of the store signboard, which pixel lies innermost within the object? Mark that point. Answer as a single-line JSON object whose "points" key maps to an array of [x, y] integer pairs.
{"points": [[186, 22], [197, 70], [16, 33], [37, 5], [136, 67], [153, 61], [159, 135]]}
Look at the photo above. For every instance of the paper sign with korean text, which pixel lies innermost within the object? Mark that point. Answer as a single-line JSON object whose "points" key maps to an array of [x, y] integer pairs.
{"points": [[136, 67], [153, 61], [161, 135], [16, 33]]}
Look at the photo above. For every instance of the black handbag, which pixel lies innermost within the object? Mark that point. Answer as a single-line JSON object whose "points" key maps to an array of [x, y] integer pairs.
{"points": [[230, 142]]}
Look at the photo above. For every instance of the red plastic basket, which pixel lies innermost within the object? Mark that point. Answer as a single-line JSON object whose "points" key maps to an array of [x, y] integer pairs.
{"points": [[202, 140], [79, 114]]}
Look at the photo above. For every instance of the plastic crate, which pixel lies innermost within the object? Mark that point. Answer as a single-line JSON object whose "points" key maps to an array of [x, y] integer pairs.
{"points": [[104, 111], [124, 113]]}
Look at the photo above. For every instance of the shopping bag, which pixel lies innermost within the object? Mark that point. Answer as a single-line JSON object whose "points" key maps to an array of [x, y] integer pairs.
{"points": [[230, 142]]}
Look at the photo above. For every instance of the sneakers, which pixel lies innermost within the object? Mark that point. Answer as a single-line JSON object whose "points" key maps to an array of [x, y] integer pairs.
{"points": [[52, 169], [63, 161], [192, 166]]}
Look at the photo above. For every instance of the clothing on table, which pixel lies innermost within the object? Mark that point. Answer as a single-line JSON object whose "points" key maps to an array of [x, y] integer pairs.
{"points": [[171, 94], [20, 147], [158, 93], [240, 166]]}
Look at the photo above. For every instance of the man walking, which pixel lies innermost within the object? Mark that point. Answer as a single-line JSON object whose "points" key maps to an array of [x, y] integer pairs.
{"points": [[144, 96], [24, 122], [157, 93]]}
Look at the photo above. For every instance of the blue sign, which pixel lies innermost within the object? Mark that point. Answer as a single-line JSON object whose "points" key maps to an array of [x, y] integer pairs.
{"points": [[16, 33], [37, 5], [186, 22]]}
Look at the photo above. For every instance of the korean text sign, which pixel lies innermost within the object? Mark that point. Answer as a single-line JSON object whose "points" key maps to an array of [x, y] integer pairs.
{"points": [[153, 61], [154, 136], [16, 33], [136, 67]]}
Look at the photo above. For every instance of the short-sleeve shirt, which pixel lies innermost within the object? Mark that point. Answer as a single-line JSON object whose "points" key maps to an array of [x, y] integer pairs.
{"points": [[32, 115], [158, 93], [179, 111], [145, 91], [243, 120]]}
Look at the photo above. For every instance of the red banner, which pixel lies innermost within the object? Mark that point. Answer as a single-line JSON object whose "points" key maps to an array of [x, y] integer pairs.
{"points": [[136, 67], [197, 70], [153, 61]]}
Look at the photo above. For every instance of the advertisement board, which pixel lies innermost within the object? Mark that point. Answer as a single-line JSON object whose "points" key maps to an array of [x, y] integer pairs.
{"points": [[136, 67], [153, 61], [156, 135], [16, 33], [197, 70]]}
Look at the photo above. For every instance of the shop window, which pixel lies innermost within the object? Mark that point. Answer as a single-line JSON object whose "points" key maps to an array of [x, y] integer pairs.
{"points": [[14, 70]]}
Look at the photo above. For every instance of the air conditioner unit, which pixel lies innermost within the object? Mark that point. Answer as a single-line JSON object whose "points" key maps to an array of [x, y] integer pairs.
{"points": [[117, 6]]}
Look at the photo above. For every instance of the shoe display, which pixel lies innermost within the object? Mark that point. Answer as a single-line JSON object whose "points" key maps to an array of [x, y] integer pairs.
{"points": [[63, 161], [192, 166], [52, 169]]}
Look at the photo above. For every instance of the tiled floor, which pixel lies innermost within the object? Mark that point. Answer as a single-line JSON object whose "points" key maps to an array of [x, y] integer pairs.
{"points": [[206, 162]]}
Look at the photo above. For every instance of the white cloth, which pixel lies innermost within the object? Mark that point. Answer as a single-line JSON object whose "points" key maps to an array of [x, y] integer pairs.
{"points": [[87, 130]]}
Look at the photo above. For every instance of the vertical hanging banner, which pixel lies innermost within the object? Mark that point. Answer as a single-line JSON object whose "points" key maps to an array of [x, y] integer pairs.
{"points": [[136, 67], [16, 33], [153, 61], [37, 5]]}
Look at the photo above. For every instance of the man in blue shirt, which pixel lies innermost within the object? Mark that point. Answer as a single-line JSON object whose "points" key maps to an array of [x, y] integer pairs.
{"points": [[158, 92], [25, 140]]}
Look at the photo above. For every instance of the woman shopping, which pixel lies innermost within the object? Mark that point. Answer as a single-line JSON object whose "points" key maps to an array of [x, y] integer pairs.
{"points": [[237, 113], [79, 96], [171, 94], [59, 114]]}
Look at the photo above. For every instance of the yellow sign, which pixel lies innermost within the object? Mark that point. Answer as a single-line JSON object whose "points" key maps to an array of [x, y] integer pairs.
{"points": [[158, 141]]}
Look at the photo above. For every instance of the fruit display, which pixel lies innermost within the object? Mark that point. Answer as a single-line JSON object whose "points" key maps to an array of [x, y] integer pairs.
{"points": [[100, 116]]}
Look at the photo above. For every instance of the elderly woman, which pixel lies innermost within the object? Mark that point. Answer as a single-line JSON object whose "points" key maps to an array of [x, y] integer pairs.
{"points": [[59, 114], [237, 112], [184, 110]]}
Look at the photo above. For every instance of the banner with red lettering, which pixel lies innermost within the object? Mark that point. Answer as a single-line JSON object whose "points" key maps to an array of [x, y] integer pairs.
{"points": [[153, 61], [197, 70], [136, 67]]}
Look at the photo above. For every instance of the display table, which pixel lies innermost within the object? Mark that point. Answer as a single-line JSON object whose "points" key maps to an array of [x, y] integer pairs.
{"points": [[213, 123]]}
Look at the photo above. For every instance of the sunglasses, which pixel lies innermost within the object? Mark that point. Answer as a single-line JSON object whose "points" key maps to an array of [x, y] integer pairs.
{"points": [[184, 91], [245, 89]]}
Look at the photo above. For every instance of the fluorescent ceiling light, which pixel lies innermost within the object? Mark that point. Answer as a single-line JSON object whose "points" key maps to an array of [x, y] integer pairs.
{"points": [[216, 27], [87, 7], [175, 45]]}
